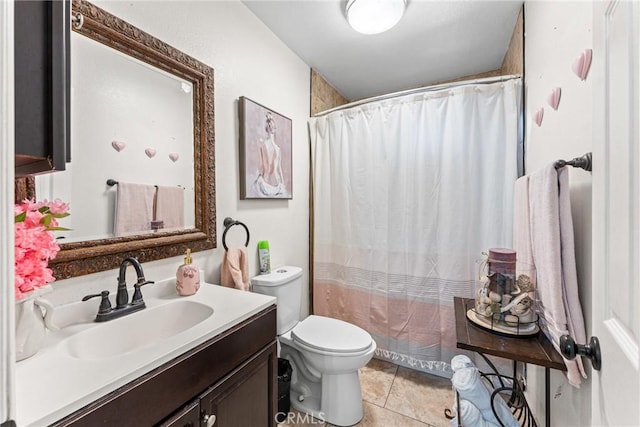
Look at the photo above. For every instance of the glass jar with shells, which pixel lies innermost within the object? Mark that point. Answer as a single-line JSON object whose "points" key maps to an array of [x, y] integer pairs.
{"points": [[506, 294]]}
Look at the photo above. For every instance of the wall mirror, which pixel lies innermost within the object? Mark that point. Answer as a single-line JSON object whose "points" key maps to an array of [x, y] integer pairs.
{"points": [[141, 112]]}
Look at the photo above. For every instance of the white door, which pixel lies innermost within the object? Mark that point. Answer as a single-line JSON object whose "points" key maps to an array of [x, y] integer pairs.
{"points": [[616, 212]]}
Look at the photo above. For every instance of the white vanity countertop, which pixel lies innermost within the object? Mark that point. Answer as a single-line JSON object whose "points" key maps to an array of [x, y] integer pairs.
{"points": [[52, 384]]}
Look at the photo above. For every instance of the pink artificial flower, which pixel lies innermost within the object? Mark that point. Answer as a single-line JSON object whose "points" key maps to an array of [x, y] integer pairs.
{"points": [[35, 244]]}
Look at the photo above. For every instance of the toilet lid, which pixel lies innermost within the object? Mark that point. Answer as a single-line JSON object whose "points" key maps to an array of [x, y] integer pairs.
{"points": [[325, 333]]}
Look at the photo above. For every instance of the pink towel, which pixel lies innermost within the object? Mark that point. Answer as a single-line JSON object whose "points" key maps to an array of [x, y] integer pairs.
{"points": [[134, 208], [235, 269], [572, 305], [543, 235], [170, 206]]}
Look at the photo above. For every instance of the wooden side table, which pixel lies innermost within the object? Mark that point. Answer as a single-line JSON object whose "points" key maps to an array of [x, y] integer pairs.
{"points": [[536, 350]]}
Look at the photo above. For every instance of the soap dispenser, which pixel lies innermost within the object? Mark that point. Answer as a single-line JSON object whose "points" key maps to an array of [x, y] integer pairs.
{"points": [[187, 277]]}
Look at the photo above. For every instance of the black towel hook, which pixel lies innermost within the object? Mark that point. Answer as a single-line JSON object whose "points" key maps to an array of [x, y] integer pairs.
{"points": [[228, 223]]}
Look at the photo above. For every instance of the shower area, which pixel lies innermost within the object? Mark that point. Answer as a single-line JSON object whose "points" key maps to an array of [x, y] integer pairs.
{"points": [[408, 190]]}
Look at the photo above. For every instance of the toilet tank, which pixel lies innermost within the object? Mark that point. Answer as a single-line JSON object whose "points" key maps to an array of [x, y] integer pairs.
{"points": [[284, 283]]}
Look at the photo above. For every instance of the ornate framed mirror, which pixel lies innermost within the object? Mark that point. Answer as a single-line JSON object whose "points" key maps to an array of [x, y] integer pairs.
{"points": [[87, 254]]}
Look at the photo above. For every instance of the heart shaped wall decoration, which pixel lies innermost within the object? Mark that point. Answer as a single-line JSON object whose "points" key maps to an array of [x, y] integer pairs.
{"points": [[118, 146], [554, 98], [582, 64], [538, 115], [174, 157], [150, 152]]}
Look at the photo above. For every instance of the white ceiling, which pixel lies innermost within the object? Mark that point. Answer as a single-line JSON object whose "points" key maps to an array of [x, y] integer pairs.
{"points": [[434, 41]]}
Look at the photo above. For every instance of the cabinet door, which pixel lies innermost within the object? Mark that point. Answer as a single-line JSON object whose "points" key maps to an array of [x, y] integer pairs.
{"points": [[246, 397], [42, 88]]}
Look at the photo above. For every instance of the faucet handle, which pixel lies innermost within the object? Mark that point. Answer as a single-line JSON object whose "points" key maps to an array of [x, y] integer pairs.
{"points": [[105, 304], [137, 295]]}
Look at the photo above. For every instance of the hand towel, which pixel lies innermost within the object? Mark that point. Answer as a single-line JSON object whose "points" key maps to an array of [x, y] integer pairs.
{"points": [[234, 272], [170, 206], [469, 386], [134, 208], [470, 416], [548, 245]]}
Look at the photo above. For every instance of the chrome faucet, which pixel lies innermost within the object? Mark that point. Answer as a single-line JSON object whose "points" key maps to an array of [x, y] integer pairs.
{"points": [[123, 307]]}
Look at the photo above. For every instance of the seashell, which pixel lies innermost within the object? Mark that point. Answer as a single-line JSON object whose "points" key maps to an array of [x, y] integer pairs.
{"points": [[554, 98], [506, 298], [150, 152], [482, 292], [118, 146], [538, 116], [495, 297], [582, 64], [485, 300], [527, 316], [174, 157], [488, 311], [510, 319]]}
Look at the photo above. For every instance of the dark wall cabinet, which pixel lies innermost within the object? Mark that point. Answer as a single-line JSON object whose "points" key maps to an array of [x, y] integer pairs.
{"points": [[42, 85], [229, 381]]}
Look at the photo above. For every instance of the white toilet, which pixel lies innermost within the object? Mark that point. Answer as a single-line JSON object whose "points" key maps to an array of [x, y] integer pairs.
{"points": [[325, 353]]}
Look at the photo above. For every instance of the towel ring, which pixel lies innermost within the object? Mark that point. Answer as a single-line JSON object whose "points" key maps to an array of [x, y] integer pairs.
{"points": [[228, 223]]}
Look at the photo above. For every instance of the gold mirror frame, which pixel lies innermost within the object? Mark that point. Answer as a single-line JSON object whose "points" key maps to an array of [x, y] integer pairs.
{"points": [[80, 258]]}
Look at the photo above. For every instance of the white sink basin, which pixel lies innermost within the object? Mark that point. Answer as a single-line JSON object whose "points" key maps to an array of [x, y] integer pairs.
{"points": [[136, 330]]}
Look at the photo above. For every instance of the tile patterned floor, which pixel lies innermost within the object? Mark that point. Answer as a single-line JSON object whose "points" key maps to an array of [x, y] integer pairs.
{"points": [[395, 396]]}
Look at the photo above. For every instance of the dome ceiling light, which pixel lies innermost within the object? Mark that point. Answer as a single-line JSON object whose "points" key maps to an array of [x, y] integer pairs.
{"points": [[374, 16]]}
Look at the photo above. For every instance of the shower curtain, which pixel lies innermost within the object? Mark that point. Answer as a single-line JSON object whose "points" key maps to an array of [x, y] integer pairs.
{"points": [[407, 193]]}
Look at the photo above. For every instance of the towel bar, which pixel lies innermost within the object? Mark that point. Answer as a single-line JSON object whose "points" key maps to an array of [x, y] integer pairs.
{"points": [[583, 162], [228, 223]]}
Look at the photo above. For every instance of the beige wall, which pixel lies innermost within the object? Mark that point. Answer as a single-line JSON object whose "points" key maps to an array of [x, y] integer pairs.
{"points": [[323, 95], [556, 32], [513, 62]]}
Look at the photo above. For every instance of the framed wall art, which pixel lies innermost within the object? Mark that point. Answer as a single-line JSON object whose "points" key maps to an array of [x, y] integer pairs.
{"points": [[266, 160]]}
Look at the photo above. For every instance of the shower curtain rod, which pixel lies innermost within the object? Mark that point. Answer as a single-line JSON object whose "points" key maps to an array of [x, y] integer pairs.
{"points": [[419, 90]]}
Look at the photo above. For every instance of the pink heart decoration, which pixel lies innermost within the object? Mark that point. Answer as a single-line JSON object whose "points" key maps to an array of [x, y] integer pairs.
{"points": [[554, 98], [150, 152], [118, 146], [538, 115], [582, 64], [174, 157]]}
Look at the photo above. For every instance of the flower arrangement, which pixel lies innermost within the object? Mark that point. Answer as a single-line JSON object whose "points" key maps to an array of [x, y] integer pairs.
{"points": [[35, 244]]}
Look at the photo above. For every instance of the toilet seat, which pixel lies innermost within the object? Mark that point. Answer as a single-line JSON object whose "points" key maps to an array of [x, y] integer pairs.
{"points": [[325, 334]]}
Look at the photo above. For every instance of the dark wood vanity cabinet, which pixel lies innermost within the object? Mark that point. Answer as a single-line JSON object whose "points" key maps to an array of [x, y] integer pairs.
{"points": [[228, 381], [237, 400], [42, 85]]}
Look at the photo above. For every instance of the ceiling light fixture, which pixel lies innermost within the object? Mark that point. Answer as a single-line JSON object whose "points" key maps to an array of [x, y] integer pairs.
{"points": [[374, 16]]}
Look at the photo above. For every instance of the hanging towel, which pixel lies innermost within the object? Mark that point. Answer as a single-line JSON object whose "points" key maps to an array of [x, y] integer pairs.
{"points": [[170, 206], [235, 269], [134, 208], [469, 386], [571, 298], [543, 236]]}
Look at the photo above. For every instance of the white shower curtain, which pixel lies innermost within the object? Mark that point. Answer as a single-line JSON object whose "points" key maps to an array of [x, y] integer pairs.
{"points": [[408, 192]]}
